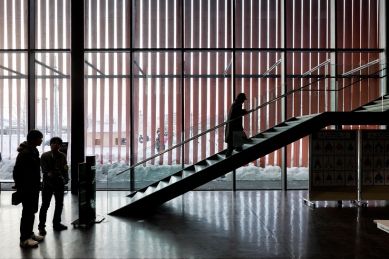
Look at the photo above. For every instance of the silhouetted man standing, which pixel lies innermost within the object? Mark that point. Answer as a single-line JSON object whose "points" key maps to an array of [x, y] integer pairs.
{"points": [[55, 176], [27, 179]]}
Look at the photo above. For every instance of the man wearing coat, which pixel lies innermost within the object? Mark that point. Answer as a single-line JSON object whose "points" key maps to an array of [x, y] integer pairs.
{"points": [[55, 176], [235, 113], [26, 174]]}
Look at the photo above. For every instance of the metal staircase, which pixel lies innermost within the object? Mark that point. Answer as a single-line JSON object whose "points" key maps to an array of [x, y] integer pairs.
{"points": [[373, 113]]}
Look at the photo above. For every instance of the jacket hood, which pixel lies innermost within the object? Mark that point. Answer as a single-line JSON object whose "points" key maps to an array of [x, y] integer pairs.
{"points": [[24, 147]]}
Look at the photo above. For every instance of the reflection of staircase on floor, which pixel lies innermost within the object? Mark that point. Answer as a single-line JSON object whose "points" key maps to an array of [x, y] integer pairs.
{"points": [[373, 113]]}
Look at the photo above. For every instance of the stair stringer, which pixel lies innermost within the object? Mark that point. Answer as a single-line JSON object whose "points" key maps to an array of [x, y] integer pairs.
{"points": [[266, 146]]}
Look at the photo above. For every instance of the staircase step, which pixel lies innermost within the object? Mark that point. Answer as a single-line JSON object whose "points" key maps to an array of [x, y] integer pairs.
{"points": [[270, 134], [132, 194], [150, 190], [373, 108], [257, 140], [174, 178], [222, 155], [200, 167], [283, 128], [161, 184], [380, 104], [306, 117], [212, 161], [186, 173], [138, 196]]}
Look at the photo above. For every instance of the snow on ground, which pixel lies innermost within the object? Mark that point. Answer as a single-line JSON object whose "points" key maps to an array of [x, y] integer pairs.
{"points": [[108, 172]]}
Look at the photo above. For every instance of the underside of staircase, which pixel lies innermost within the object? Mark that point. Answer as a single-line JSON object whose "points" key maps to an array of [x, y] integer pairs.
{"points": [[373, 113]]}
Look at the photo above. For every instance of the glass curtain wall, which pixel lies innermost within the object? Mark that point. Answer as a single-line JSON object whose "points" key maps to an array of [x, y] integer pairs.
{"points": [[160, 72], [51, 72]]}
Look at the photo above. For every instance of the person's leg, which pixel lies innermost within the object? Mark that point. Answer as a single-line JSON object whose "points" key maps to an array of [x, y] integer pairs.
{"points": [[30, 201], [58, 195], [230, 148], [47, 193], [238, 147]]}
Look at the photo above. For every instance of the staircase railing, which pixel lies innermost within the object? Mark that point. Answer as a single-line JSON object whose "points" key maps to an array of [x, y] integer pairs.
{"points": [[303, 88]]}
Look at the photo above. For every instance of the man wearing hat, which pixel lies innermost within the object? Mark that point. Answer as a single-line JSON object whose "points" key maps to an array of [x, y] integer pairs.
{"points": [[235, 114]]}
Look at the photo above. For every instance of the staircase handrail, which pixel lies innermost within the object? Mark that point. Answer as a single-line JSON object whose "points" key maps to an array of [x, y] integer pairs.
{"points": [[248, 112]]}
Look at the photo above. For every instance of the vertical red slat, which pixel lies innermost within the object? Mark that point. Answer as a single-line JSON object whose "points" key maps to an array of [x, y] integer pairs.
{"points": [[221, 89], [120, 33], [263, 123], [179, 112], [274, 41], [364, 34], [40, 25], [3, 39], [152, 60], [289, 101], [322, 33], [188, 24], [113, 140], [187, 82], [50, 92], [103, 34], [152, 37], [138, 58], [178, 93], [297, 30], [356, 57], [255, 68], [195, 111], [187, 116], [60, 106], [263, 67], [307, 65], [373, 27], [195, 81], [10, 96], [148, 93], [93, 81], [67, 24], [289, 25], [51, 20], [52, 63], [67, 87], [306, 23], [89, 137], [162, 83], [171, 65], [238, 24], [203, 83], [18, 24], [93, 88], [222, 63], [120, 95], [88, 18], [145, 113], [315, 33], [128, 70], [271, 82], [17, 59], [2, 98], [246, 62], [347, 60], [213, 10]]}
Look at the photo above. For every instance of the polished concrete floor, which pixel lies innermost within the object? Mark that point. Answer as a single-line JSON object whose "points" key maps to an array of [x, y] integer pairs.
{"points": [[209, 224]]}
